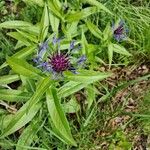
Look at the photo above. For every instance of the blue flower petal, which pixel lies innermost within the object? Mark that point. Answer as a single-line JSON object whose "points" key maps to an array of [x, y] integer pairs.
{"points": [[72, 44], [82, 59]]}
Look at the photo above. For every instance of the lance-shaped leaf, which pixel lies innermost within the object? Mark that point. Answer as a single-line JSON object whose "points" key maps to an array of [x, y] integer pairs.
{"points": [[44, 25], [54, 21], [43, 85], [35, 2], [25, 52], [98, 5], [27, 111], [15, 24], [80, 81], [28, 135], [71, 106], [12, 123], [90, 95], [120, 49], [55, 7], [28, 36], [23, 68], [70, 88], [6, 79], [20, 37], [81, 14], [21, 54], [14, 95], [87, 76], [110, 54], [58, 118], [94, 30], [84, 44]]}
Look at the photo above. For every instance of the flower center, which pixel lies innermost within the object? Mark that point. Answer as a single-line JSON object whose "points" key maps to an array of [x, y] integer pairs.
{"points": [[119, 30], [59, 62]]}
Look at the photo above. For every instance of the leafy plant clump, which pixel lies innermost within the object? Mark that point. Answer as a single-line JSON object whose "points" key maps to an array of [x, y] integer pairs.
{"points": [[61, 80]]}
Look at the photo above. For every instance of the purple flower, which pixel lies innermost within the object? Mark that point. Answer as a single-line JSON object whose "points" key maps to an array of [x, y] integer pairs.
{"points": [[58, 61], [120, 32]]}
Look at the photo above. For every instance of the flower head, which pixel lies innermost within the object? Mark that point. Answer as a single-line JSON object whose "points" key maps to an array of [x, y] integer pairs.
{"points": [[120, 32], [57, 62]]}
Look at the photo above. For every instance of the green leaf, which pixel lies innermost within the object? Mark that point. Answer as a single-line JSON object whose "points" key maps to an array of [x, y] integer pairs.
{"points": [[23, 68], [21, 54], [79, 82], [42, 86], [98, 5], [33, 30], [107, 33], [54, 21], [94, 30], [25, 52], [58, 117], [33, 2], [3, 65], [44, 25], [86, 76], [84, 13], [72, 106], [6, 143], [15, 24], [3, 112], [84, 44], [19, 45], [119, 49], [27, 111], [70, 88], [28, 135], [14, 95], [28, 36], [72, 29], [55, 7], [8, 79], [28, 84], [110, 54], [14, 122], [90, 95], [20, 37]]}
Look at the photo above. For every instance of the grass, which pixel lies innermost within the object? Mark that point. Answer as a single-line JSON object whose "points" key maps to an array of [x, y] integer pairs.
{"points": [[118, 118]]}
